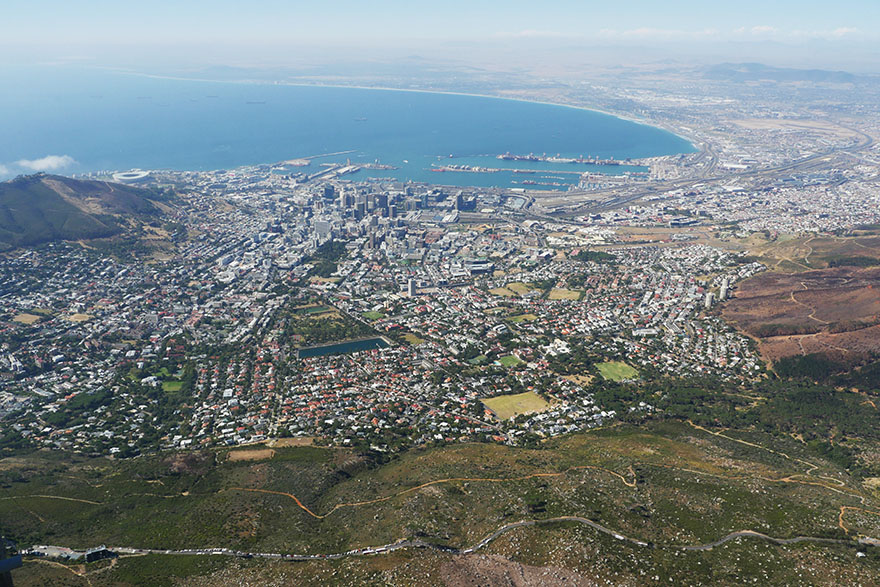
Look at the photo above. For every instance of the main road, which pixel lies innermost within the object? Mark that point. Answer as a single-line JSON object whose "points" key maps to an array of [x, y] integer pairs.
{"points": [[616, 200], [407, 544]]}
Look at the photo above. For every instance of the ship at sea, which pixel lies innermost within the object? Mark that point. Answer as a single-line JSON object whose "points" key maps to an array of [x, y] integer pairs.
{"points": [[559, 159]]}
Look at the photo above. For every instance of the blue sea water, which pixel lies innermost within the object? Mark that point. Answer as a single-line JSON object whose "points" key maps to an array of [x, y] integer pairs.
{"points": [[105, 120]]}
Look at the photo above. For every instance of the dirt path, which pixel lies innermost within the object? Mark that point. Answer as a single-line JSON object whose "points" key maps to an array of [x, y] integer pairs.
{"points": [[839, 488], [53, 497], [339, 506], [812, 315], [792, 261], [846, 508], [807, 477], [800, 341], [80, 574], [810, 252]]}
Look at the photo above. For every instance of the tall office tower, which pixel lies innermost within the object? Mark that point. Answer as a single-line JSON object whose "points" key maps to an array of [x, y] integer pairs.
{"points": [[323, 228], [725, 289]]}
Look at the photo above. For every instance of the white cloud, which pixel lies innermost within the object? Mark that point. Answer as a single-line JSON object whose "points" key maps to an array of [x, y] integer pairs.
{"points": [[767, 31], [764, 30], [658, 34], [533, 34], [47, 163], [838, 33], [4, 170], [845, 32], [754, 33]]}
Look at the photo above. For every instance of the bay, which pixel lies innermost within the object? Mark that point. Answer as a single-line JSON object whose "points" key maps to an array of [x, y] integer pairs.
{"points": [[104, 120]]}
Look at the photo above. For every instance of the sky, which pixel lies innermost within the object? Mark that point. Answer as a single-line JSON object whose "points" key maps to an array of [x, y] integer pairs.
{"points": [[223, 30]]}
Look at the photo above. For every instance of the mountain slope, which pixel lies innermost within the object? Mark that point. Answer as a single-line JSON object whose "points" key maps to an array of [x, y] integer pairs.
{"points": [[42, 208], [744, 72]]}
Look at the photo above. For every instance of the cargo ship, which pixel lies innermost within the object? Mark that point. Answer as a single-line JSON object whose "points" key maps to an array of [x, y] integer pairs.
{"points": [[465, 169], [557, 159]]}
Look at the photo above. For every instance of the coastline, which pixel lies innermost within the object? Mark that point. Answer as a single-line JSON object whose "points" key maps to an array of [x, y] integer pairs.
{"points": [[212, 151]]}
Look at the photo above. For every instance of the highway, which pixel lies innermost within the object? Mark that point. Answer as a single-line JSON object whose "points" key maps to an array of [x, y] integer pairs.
{"points": [[406, 544], [615, 201]]}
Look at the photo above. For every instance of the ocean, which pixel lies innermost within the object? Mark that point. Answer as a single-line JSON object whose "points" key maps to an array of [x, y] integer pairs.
{"points": [[88, 120]]}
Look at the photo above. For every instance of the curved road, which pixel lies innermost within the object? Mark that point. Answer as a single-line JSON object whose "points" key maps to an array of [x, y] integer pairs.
{"points": [[404, 544]]}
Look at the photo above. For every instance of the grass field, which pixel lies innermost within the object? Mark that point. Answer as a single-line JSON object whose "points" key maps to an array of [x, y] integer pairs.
{"points": [[503, 291], [412, 339], [513, 290], [79, 317], [520, 288], [522, 318], [508, 406], [319, 279], [26, 319], [616, 370], [172, 385], [580, 379], [314, 311], [564, 294], [372, 315], [509, 361]]}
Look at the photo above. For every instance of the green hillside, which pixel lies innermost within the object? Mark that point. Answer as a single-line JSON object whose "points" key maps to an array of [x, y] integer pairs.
{"points": [[43, 208], [662, 499]]}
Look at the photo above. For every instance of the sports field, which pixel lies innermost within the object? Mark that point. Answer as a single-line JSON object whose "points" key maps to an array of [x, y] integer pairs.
{"points": [[523, 318], [616, 370], [26, 319], [564, 294], [509, 361], [412, 339], [508, 406], [502, 291], [513, 290], [79, 317]]}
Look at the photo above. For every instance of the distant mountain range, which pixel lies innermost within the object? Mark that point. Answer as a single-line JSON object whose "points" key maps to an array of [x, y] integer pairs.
{"points": [[42, 208], [743, 72]]}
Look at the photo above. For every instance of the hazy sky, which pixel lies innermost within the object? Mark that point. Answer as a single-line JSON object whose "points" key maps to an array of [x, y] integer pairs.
{"points": [[96, 29]]}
